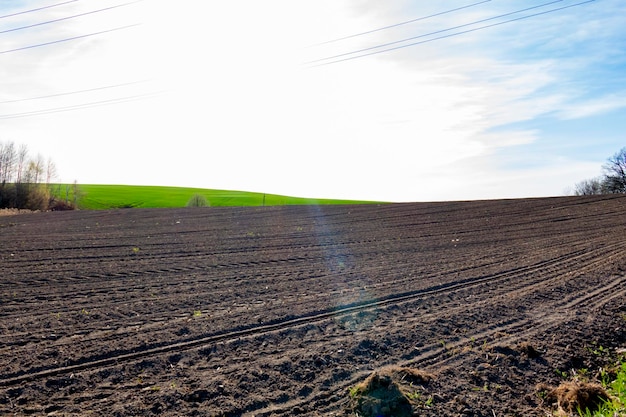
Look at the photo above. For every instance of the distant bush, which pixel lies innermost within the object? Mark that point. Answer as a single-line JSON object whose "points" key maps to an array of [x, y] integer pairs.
{"points": [[38, 198], [60, 205], [198, 200]]}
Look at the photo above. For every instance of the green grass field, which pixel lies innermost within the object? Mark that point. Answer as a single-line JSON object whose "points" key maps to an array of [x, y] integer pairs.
{"points": [[97, 197]]}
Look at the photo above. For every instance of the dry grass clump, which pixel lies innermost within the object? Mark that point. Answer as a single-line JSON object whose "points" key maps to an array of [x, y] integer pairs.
{"points": [[11, 212], [572, 396], [385, 393]]}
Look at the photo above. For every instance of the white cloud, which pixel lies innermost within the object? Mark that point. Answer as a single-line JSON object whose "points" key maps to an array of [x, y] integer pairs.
{"points": [[593, 107], [240, 110]]}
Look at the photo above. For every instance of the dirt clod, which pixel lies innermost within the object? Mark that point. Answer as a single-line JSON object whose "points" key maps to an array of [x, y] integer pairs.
{"points": [[529, 350]]}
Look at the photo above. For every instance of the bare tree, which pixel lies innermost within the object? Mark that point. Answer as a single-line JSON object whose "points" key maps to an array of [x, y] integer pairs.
{"points": [[615, 173], [7, 162], [22, 179], [593, 186], [51, 171], [22, 157], [34, 171], [7, 167], [68, 187], [76, 192]]}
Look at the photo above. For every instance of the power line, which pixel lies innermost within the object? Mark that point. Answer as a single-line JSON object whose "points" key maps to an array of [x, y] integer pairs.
{"points": [[439, 37], [71, 92], [402, 23], [39, 8], [431, 33], [69, 17], [68, 39], [78, 106]]}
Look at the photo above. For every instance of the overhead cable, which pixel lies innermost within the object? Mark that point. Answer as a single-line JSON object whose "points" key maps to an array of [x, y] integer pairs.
{"points": [[71, 92], [320, 63], [39, 8], [69, 39], [78, 106], [69, 17], [432, 33], [402, 23]]}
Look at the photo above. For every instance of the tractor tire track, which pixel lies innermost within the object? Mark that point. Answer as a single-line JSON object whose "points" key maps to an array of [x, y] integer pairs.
{"points": [[411, 284], [557, 264]]}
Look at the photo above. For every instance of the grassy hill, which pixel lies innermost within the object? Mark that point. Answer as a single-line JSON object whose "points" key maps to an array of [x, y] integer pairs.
{"points": [[94, 197]]}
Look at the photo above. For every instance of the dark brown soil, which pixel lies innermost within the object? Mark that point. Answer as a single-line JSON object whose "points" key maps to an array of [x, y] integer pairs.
{"points": [[285, 310]]}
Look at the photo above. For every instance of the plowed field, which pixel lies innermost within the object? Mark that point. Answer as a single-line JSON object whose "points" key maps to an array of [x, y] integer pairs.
{"points": [[278, 311]]}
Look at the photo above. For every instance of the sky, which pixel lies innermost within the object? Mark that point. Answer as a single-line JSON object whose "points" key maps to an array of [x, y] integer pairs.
{"points": [[356, 99]]}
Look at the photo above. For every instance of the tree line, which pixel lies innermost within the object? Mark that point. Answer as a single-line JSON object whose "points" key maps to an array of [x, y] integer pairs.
{"points": [[26, 182], [612, 181]]}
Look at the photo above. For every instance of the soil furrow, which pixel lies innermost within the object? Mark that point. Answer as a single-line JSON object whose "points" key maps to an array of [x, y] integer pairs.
{"points": [[278, 311], [298, 321]]}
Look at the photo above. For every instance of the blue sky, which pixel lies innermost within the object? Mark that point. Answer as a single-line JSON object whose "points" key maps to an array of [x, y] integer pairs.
{"points": [[223, 94]]}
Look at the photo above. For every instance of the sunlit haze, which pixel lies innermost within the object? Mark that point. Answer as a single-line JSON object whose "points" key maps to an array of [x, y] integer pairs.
{"points": [[491, 99]]}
